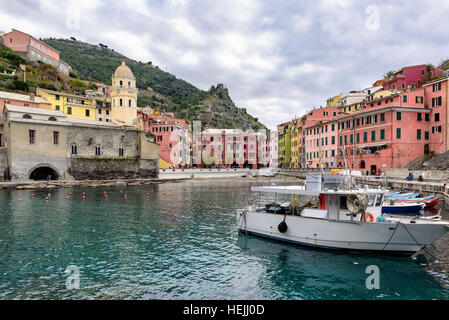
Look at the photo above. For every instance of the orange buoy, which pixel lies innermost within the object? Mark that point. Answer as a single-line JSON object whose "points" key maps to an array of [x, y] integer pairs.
{"points": [[46, 198], [121, 191], [370, 216], [67, 197], [32, 195], [70, 193], [20, 200], [126, 196]]}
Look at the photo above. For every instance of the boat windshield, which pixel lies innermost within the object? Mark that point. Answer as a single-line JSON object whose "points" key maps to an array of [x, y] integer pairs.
{"points": [[371, 200], [379, 200]]}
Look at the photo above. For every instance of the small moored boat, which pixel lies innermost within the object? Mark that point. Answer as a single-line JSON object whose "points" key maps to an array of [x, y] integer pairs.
{"points": [[403, 208], [328, 212]]}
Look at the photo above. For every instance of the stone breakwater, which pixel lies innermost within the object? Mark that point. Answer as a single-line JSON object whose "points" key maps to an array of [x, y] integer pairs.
{"points": [[76, 184]]}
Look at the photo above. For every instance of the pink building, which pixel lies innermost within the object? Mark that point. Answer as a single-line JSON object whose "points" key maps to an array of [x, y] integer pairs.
{"points": [[322, 145], [389, 132], [320, 138], [230, 148], [410, 77], [33, 49], [173, 135], [263, 152], [436, 99]]}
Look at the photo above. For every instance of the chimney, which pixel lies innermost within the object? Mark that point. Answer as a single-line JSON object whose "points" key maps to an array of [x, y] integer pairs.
{"points": [[32, 96]]}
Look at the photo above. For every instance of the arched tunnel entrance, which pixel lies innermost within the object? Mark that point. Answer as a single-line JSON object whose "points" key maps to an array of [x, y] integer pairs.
{"points": [[43, 174]]}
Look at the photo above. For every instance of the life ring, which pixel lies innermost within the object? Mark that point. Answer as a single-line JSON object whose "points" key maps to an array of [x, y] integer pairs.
{"points": [[370, 215]]}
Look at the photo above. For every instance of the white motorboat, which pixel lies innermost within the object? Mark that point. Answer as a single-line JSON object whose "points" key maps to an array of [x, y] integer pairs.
{"points": [[329, 213]]}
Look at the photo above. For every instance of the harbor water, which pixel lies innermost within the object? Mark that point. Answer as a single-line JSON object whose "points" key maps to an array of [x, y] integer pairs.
{"points": [[179, 242]]}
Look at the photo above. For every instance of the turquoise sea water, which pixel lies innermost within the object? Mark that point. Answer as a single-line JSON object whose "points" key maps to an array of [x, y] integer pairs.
{"points": [[182, 245]]}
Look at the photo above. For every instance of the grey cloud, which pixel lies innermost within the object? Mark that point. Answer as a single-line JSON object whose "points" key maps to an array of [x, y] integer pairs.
{"points": [[277, 58]]}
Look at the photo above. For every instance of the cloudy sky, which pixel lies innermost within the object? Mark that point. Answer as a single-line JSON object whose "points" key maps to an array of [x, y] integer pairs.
{"points": [[278, 58]]}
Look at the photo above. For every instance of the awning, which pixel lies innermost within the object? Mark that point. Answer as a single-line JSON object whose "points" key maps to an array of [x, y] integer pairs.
{"points": [[371, 145]]}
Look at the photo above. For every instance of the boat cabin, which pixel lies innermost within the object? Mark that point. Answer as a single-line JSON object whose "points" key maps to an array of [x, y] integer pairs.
{"points": [[323, 198]]}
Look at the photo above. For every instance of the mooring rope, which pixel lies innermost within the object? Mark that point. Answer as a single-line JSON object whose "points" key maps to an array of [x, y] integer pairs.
{"points": [[397, 226]]}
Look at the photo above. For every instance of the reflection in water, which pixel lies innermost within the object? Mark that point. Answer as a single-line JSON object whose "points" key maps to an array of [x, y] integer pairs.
{"points": [[179, 245]]}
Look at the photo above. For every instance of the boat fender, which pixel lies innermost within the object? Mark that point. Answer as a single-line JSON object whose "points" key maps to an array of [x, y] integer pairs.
{"points": [[282, 227]]}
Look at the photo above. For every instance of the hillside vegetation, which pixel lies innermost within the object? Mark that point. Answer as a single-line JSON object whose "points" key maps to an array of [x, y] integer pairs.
{"points": [[157, 88]]}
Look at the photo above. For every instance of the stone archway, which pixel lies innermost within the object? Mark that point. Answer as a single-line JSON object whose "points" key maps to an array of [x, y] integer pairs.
{"points": [[44, 172]]}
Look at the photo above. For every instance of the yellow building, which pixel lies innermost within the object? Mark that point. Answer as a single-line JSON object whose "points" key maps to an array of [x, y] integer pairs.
{"points": [[70, 104], [124, 97], [295, 127], [352, 107], [332, 101], [380, 94]]}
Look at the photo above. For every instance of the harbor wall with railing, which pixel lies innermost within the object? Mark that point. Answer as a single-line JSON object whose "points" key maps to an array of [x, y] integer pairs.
{"points": [[204, 173]]}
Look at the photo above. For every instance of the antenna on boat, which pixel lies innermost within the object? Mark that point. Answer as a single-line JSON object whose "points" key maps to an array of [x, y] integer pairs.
{"points": [[348, 170]]}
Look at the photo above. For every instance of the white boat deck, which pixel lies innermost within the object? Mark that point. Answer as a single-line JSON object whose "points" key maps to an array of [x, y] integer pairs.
{"points": [[301, 190]]}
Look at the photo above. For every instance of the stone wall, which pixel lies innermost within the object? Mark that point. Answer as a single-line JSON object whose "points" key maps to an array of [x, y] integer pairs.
{"points": [[110, 169], [22, 167], [3, 163], [108, 139], [436, 175], [140, 159]]}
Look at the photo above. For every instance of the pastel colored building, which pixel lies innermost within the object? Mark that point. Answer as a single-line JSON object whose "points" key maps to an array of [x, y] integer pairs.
{"points": [[322, 145], [436, 99], [284, 141], [230, 148], [332, 101], [263, 149], [32, 49], [295, 130], [273, 149], [103, 108], [351, 100], [173, 135], [411, 77], [390, 132], [379, 94], [124, 97], [71, 105], [318, 137], [103, 103], [22, 100]]}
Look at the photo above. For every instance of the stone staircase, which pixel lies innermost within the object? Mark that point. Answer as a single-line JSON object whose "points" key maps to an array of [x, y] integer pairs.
{"points": [[416, 164], [440, 162]]}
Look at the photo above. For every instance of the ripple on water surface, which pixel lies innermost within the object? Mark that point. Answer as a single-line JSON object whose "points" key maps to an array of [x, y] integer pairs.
{"points": [[181, 245]]}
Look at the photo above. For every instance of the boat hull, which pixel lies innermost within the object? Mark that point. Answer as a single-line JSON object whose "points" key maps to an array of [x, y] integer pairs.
{"points": [[342, 235], [409, 209], [433, 202]]}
